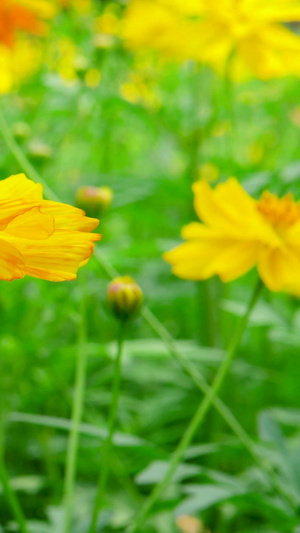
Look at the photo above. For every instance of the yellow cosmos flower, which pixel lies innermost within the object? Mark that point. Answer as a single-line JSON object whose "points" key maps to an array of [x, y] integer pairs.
{"points": [[19, 63], [249, 32], [39, 238], [239, 233]]}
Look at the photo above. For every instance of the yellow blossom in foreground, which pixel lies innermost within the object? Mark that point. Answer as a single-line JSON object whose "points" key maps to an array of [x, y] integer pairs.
{"points": [[247, 33], [39, 238], [238, 233]]}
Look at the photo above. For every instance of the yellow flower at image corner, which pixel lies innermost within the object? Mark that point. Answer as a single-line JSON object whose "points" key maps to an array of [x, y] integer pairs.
{"points": [[40, 238], [238, 233], [250, 34], [27, 16], [19, 63]]}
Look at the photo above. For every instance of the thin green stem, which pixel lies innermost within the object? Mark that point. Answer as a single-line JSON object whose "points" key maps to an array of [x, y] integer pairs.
{"points": [[77, 409], [193, 372], [198, 416], [22, 159], [106, 456], [12, 499]]}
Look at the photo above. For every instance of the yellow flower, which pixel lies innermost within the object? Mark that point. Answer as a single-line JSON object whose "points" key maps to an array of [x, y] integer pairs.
{"points": [[17, 64], [139, 90], [23, 15], [67, 60], [249, 33], [239, 233], [39, 238], [108, 23]]}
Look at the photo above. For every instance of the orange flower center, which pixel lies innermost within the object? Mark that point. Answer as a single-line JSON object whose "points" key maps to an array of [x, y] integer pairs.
{"points": [[280, 212]]}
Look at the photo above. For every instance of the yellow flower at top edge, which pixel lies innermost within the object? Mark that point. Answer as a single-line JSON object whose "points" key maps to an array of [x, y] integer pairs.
{"points": [[39, 238], [248, 33], [237, 233], [23, 15]]}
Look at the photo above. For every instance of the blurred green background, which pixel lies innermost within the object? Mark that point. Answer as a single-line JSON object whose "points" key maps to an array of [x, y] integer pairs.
{"points": [[147, 130]]}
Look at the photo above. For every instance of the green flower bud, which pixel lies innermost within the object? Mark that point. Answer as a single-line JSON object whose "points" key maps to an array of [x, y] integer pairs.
{"points": [[39, 150], [21, 130], [94, 200], [124, 297]]}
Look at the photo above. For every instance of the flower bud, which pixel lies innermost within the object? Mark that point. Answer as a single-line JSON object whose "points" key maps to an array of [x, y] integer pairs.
{"points": [[39, 150], [124, 297], [21, 131], [94, 200]]}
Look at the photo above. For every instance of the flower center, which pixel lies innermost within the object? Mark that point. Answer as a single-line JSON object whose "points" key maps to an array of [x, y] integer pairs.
{"points": [[280, 212]]}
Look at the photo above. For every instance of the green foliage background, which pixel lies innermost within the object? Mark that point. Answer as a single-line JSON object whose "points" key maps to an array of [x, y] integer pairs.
{"points": [[149, 157]]}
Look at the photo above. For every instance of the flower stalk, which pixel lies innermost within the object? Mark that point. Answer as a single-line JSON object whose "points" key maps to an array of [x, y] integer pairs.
{"points": [[77, 410], [198, 417], [107, 447], [12, 499]]}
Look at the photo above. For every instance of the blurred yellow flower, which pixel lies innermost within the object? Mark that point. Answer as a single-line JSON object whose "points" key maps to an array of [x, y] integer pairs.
{"points": [[23, 15], [18, 63], [108, 23], [66, 59], [239, 233], [138, 90], [39, 238], [92, 77], [243, 38]]}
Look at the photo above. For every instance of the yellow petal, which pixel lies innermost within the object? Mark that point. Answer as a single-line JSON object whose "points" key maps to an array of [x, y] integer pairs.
{"points": [[231, 211], [279, 269], [18, 186], [195, 230], [42, 8], [277, 10], [59, 257], [31, 225], [202, 259], [69, 217], [11, 262]]}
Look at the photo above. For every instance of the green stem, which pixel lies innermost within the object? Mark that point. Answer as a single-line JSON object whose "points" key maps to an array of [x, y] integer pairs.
{"points": [[192, 371], [77, 409], [111, 427], [12, 499], [22, 159], [198, 416], [220, 406]]}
